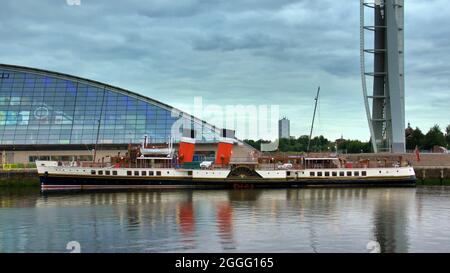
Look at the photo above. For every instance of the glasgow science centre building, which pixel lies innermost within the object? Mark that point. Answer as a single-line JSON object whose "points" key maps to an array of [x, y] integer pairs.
{"points": [[53, 116]]}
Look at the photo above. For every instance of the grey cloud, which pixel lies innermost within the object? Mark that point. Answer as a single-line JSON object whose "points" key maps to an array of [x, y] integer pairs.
{"points": [[248, 51], [246, 41]]}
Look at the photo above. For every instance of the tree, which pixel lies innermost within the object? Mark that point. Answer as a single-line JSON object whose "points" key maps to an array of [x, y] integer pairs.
{"points": [[415, 139], [447, 136], [355, 146], [434, 137], [252, 143], [302, 143], [319, 144], [256, 144]]}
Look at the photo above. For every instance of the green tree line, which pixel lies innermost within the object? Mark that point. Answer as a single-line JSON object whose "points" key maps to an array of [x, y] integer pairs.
{"points": [[434, 137], [414, 137], [318, 144]]}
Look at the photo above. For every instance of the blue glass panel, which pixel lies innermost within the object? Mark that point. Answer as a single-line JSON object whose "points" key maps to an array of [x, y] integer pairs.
{"points": [[48, 80], [41, 109]]}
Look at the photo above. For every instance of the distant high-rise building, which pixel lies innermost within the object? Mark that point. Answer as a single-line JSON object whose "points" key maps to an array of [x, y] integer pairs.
{"points": [[284, 128]]}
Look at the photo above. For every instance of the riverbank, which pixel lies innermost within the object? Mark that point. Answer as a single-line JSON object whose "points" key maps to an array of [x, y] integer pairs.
{"points": [[433, 182], [430, 176], [19, 178]]}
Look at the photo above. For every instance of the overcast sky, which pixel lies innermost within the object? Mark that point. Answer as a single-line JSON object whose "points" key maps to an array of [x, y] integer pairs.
{"points": [[229, 52]]}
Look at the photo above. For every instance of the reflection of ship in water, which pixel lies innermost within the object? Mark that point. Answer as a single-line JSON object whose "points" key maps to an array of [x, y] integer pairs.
{"points": [[390, 212], [224, 216], [317, 210], [185, 218], [391, 220], [244, 195], [169, 218], [141, 217], [112, 198]]}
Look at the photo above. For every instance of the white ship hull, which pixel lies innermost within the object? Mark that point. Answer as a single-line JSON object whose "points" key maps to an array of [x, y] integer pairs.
{"points": [[55, 177]]}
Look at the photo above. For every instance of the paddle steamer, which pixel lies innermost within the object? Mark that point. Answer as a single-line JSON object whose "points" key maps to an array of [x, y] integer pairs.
{"points": [[156, 166]]}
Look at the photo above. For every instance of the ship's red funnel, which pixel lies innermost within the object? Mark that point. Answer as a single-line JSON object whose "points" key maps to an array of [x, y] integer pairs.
{"points": [[187, 146], [225, 147]]}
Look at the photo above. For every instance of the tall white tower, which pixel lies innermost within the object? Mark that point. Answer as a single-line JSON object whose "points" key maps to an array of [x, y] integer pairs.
{"points": [[386, 114]]}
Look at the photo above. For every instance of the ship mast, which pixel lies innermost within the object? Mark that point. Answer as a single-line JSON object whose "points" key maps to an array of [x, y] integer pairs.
{"points": [[98, 128], [314, 116], [96, 142]]}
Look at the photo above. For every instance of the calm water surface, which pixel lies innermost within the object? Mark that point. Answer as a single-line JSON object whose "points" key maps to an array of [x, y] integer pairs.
{"points": [[294, 220]]}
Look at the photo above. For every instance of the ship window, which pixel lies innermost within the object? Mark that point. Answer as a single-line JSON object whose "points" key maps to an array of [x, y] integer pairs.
{"points": [[158, 173], [136, 172], [327, 173], [114, 172], [92, 171], [364, 173], [341, 173], [128, 172], [167, 172], [334, 173], [189, 172], [319, 173], [349, 173], [100, 172], [107, 172], [312, 174], [143, 173], [151, 173], [288, 173], [356, 173]]}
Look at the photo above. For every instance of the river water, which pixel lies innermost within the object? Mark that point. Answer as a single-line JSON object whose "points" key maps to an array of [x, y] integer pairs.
{"points": [[286, 220]]}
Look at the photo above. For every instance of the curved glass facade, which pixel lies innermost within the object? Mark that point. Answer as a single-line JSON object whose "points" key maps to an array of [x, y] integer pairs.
{"points": [[41, 107]]}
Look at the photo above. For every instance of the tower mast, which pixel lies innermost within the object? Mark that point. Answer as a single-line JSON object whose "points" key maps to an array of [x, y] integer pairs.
{"points": [[386, 117]]}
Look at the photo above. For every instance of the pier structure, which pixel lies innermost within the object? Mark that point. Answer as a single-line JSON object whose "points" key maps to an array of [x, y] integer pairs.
{"points": [[385, 105]]}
